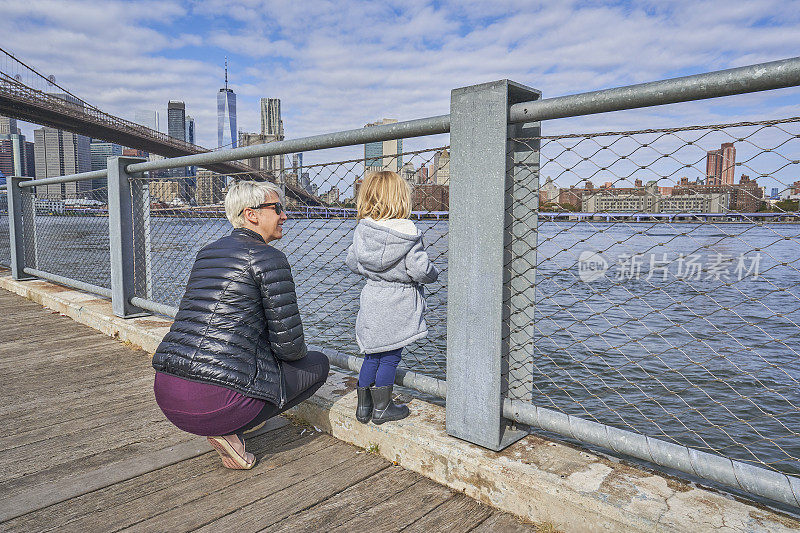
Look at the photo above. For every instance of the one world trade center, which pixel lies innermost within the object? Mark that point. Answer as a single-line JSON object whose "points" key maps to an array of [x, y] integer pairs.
{"points": [[226, 115]]}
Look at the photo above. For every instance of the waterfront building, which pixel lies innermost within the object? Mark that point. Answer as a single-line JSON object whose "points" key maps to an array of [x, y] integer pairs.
{"points": [[720, 165], [409, 173], [176, 128], [441, 168], [58, 153], [636, 199], [422, 175], [100, 152], [430, 197], [272, 130], [147, 118], [305, 182], [331, 197], [383, 155], [572, 197], [8, 126], [745, 196], [190, 171], [251, 139], [16, 154], [226, 115], [548, 192], [165, 191], [210, 188]]}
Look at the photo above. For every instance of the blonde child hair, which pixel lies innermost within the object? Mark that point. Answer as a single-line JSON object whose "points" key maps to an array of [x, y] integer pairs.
{"points": [[383, 195]]}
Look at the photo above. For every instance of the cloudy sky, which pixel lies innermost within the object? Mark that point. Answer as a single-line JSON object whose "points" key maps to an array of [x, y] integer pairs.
{"points": [[338, 65]]}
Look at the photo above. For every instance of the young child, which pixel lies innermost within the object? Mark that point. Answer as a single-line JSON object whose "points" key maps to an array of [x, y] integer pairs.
{"points": [[388, 251]]}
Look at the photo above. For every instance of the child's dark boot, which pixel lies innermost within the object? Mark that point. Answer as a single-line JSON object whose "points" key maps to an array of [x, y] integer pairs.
{"points": [[365, 404], [385, 410]]}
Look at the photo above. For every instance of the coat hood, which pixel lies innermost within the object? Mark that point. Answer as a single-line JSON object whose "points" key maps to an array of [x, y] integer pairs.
{"points": [[378, 248]]}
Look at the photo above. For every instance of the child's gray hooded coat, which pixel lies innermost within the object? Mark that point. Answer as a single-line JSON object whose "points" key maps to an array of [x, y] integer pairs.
{"points": [[392, 302]]}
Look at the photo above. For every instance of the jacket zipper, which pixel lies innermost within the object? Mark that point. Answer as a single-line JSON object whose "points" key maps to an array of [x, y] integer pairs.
{"points": [[281, 384]]}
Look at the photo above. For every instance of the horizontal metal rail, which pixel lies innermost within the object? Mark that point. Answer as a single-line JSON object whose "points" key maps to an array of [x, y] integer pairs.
{"points": [[398, 130], [155, 307], [406, 378], [93, 175], [755, 480], [753, 78], [69, 282]]}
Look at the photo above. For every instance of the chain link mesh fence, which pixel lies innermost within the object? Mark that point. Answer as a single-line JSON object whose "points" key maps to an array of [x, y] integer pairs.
{"points": [[654, 286], [70, 237], [5, 245], [185, 214]]}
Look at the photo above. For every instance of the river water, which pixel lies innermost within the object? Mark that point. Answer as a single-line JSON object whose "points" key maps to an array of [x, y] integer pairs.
{"points": [[694, 340]]}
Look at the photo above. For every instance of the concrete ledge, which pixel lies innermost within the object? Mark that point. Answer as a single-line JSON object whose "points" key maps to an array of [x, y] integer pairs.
{"points": [[536, 479]]}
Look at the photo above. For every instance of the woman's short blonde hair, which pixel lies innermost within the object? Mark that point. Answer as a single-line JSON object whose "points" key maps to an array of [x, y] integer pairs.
{"points": [[244, 194], [383, 195]]}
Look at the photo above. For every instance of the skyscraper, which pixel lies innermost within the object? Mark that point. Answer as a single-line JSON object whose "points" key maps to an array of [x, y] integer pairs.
{"points": [[191, 171], [100, 152], [720, 165], [272, 130], [226, 114], [14, 156], [8, 126], [381, 155], [441, 168], [176, 128], [59, 153]]}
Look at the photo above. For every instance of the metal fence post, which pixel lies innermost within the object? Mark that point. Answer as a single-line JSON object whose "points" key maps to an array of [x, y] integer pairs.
{"points": [[18, 224], [120, 237], [479, 234]]}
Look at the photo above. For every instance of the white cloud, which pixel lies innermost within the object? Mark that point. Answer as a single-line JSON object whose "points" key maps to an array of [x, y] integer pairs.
{"points": [[339, 65]]}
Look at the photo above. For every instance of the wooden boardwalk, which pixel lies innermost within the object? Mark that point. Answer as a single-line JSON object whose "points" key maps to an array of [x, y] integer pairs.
{"points": [[85, 448]]}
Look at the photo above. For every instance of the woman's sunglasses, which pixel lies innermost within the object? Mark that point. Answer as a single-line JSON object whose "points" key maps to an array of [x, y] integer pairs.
{"points": [[277, 205]]}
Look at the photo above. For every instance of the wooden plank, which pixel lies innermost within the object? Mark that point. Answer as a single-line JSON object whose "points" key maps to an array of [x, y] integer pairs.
{"points": [[247, 505], [76, 396], [36, 414], [403, 509], [503, 523], [47, 494], [353, 501], [132, 501], [458, 514], [113, 413], [141, 429]]}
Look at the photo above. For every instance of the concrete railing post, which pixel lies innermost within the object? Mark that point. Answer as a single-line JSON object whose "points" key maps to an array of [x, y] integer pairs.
{"points": [[481, 166], [120, 236], [20, 221]]}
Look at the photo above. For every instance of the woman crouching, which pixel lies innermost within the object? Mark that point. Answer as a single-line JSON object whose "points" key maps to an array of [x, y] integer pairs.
{"points": [[235, 355]]}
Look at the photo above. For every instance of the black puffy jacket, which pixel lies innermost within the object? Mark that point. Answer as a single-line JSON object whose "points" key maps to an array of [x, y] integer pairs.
{"points": [[237, 320]]}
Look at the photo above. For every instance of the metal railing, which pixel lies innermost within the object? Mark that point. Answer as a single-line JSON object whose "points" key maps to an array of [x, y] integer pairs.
{"points": [[527, 341]]}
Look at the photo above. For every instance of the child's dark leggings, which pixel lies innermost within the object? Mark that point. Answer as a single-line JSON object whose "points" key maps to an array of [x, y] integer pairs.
{"points": [[379, 368]]}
